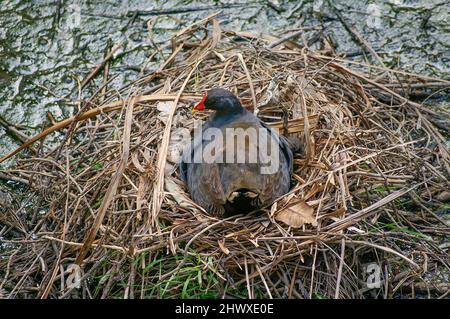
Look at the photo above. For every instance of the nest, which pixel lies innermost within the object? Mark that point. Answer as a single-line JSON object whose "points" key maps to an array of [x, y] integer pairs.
{"points": [[368, 188]]}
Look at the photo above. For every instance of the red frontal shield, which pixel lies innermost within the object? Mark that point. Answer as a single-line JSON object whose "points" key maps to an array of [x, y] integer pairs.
{"points": [[200, 106]]}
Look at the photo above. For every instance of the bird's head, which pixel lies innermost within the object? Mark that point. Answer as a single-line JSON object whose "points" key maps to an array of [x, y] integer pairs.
{"points": [[220, 100]]}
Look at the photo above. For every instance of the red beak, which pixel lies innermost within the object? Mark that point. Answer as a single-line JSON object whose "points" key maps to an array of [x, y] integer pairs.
{"points": [[200, 106]]}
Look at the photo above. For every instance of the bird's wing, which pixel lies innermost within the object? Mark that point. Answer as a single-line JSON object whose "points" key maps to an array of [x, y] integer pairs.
{"points": [[277, 184], [188, 156], [205, 187], [284, 145]]}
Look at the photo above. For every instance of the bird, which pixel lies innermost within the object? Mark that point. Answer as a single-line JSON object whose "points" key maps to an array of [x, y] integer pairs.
{"points": [[224, 185]]}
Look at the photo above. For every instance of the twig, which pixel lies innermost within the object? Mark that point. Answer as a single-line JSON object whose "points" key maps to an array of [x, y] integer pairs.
{"points": [[111, 191], [13, 132], [356, 34], [285, 38], [157, 12], [92, 113], [98, 68]]}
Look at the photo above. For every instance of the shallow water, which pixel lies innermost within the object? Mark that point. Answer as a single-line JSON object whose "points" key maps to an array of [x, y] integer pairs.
{"points": [[46, 46]]}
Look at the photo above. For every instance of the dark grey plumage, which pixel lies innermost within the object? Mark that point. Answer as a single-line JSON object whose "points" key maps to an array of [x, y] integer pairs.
{"points": [[213, 185]]}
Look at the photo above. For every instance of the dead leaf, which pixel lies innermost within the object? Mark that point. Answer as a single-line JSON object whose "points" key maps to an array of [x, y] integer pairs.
{"points": [[297, 215], [164, 108]]}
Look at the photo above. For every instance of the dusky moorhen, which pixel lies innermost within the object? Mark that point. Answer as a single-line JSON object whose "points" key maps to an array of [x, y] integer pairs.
{"points": [[231, 186]]}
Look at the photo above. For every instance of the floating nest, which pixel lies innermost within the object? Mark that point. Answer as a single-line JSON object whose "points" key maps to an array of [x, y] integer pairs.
{"points": [[368, 197]]}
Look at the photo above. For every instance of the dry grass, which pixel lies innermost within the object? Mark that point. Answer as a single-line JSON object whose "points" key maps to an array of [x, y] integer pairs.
{"points": [[375, 169]]}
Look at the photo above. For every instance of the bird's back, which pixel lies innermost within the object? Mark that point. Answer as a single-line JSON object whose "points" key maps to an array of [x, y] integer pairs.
{"points": [[251, 156]]}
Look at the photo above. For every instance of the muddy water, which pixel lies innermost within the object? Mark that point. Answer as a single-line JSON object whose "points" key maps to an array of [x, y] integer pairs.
{"points": [[48, 46]]}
